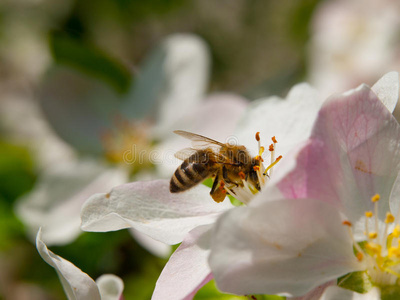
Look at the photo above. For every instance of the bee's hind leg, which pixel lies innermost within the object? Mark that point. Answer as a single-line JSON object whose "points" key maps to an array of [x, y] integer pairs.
{"points": [[217, 193]]}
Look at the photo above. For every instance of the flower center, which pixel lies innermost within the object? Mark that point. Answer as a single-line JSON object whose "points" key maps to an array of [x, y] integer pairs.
{"points": [[128, 144], [381, 249], [257, 176]]}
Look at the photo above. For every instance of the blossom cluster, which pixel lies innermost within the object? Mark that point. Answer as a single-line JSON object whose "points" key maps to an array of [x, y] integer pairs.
{"points": [[324, 225]]}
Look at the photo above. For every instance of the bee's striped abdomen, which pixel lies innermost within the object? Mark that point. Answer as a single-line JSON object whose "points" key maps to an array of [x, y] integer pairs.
{"points": [[188, 174]]}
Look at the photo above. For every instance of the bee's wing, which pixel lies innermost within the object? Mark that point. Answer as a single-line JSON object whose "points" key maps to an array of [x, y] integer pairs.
{"points": [[185, 153], [199, 141], [188, 152]]}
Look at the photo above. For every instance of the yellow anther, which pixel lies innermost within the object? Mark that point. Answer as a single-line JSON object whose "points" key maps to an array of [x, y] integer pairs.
{"points": [[394, 252], [274, 139], [375, 198], [374, 248], [261, 151], [273, 164], [372, 235], [258, 136], [368, 214], [256, 168], [389, 218], [258, 157], [359, 256], [271, 147], [396, 231]]}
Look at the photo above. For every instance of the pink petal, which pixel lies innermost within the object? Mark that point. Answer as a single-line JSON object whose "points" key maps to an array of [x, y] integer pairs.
{"points": [[280, 247], [187, 269], [352, 155]]}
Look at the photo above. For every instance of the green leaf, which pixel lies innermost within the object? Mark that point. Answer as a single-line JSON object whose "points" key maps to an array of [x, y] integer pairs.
{"points": [[89, 59], [235, 201], [16, 172], [269, 297], [208, 182], [359, 282], [300, 18], [390, 292], [11, 229], [140, 285], [211, 292]]}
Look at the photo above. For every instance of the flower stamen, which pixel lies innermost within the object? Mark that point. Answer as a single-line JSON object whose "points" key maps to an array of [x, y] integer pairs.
{"points": [[375, 200], [372, 235], [381, 251], [272, 153], [126, 141], [269, 168], [356, 245], [246, 190]]}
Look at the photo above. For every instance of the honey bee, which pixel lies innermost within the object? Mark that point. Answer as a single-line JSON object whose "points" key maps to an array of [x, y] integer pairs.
{"points": [[228, 164]]}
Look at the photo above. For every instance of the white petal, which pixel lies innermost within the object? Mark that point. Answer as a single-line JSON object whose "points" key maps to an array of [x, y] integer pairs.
{"points": [[289, 120], [337, 293], [110, 287], [387, 90], [341, 58], [154, 247], [186, 71], [77, 284], [187, 269], [34, 132], [55, 202], [79, 107], [283, 247], [175, 77], [151, 208], [316, 293], [394, 200]]}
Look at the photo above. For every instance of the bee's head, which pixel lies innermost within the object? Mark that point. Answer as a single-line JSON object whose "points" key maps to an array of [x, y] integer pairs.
{"points": [[252, 171]]}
